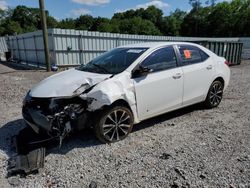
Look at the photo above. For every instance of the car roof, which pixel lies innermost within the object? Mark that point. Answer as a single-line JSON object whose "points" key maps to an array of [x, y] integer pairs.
{"points": [[155, 44]]}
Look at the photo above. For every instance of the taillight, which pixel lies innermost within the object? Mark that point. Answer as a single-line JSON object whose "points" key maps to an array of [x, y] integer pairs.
{"points": [[227, 63]]}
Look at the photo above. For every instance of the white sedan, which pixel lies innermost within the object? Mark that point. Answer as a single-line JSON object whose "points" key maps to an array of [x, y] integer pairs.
{"points": [[125, 86]]}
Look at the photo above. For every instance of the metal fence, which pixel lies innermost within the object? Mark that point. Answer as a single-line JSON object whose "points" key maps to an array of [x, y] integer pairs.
{"points": [[29, 48], [230, 50], [246, 48], [74, 47], [3, 45], [3, 48]]}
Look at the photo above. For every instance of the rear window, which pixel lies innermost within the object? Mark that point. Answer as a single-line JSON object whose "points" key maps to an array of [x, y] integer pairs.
{"points": [[191, 54], [204, 56]]}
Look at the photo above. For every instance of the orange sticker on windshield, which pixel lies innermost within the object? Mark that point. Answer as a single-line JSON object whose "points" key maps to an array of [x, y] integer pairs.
{"points": [[187, 54]]}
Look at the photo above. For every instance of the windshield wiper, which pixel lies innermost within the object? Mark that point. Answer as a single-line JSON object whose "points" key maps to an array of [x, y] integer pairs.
{"points": [[100, 67]]}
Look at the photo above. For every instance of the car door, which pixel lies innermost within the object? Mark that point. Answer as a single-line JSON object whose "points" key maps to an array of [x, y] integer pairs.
{"points": [[198, 73], [161, 89]]}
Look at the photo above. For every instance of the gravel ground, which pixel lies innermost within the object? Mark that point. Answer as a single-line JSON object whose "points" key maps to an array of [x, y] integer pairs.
{"points": [[192, 147]]}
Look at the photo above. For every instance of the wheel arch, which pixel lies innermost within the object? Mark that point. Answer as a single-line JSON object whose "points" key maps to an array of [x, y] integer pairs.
{"points": [[216, 78], [219, 78], [207, 101], [122, 102]]}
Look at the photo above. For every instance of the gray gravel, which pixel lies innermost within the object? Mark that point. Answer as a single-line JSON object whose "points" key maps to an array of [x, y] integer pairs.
{"points": [[186, 148]]}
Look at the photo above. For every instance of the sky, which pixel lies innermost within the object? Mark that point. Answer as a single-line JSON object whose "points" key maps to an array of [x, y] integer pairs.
{"points": [[105, 8]]}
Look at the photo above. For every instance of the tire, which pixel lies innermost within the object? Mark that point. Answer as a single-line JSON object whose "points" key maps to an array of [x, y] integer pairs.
{"points": [[214, 95], [114, 124]]}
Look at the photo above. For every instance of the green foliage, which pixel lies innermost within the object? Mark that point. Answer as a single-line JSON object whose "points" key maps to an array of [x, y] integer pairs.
{"points": [[171, 25], [98, 23], [196, 23], [225, 19], [67, 23], [9, 27], [195, 3], [51, 22], [141, 21], [211, 2], [84, 22], [27, 18], [112, 26], [22, 19], [138, 25]]}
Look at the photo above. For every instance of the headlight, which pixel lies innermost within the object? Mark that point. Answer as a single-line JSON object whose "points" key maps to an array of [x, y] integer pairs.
{"points": [[81, 89]]}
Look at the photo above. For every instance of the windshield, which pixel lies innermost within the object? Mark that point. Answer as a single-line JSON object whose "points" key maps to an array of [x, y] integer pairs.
{"points": [[114, 61]]}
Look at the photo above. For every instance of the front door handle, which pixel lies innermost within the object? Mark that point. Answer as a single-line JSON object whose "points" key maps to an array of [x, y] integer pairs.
{"points": [[177, 76], [209, 67]]}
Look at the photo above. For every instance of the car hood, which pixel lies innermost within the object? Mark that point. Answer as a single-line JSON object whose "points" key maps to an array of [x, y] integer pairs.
{"points": [[64, 84]]}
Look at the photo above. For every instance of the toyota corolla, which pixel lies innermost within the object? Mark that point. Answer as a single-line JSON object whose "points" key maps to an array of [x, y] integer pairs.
{"points": [[125, 86]]}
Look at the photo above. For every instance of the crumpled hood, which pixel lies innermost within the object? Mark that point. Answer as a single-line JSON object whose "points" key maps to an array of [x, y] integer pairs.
{"points": [[63, 84]]}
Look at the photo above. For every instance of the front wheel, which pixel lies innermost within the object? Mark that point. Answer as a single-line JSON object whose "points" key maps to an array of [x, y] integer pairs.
{"points": [[214, 95], [114, 124]]}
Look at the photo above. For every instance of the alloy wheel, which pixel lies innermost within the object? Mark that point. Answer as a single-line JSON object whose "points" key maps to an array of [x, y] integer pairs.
{"points": [[216, 94], [117, 125]]}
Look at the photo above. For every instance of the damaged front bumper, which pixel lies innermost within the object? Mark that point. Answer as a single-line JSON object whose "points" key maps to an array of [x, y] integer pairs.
{"points": [[56, 116], [35, 119], [30, 152], [28, 163]]}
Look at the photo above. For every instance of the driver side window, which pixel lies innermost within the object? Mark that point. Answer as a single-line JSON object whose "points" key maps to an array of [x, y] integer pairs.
{"points": [[161, 59]]}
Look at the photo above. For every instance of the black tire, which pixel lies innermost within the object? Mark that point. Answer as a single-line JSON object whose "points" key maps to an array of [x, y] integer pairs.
{"points": [[214, 95], [107, 131]]}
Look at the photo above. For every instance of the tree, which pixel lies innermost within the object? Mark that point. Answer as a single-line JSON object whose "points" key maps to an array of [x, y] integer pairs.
{"points": [[171, 25], [112, 26], [51, 22], [98, 22], [221, 21], [152, 14], [67, 23], [211, 2], [196, 4], [28, 18], [9, 27], [240, 17], [84, 22], [225, 19], [137, 25], [124, 15]]}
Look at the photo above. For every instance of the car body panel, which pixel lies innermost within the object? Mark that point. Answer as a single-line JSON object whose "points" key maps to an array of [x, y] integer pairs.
{"points": [[154, 94], [65, 83], [119, 87], [197, 80], [222, 70]]}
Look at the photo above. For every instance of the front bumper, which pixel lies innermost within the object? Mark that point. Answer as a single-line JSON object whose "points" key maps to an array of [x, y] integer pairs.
{"points": [[35, 119], [43, 114]]}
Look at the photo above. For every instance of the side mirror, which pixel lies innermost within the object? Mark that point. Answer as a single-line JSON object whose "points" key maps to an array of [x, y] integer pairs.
{"points": [[141, 71]]}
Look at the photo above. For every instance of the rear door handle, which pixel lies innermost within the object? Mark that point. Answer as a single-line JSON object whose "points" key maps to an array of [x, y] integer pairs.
{"points": [[209, 67], [177, 76]]}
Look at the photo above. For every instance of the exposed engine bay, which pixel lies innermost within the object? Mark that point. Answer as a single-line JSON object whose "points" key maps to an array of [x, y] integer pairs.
{"points": [[55, 115]]}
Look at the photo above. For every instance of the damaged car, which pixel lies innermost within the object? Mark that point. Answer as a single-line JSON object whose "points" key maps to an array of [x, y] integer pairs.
{"points": [[125, 86]]}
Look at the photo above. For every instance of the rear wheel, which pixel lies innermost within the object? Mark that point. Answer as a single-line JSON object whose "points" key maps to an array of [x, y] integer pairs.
{"points": [[214, 95], [114, 124]]}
